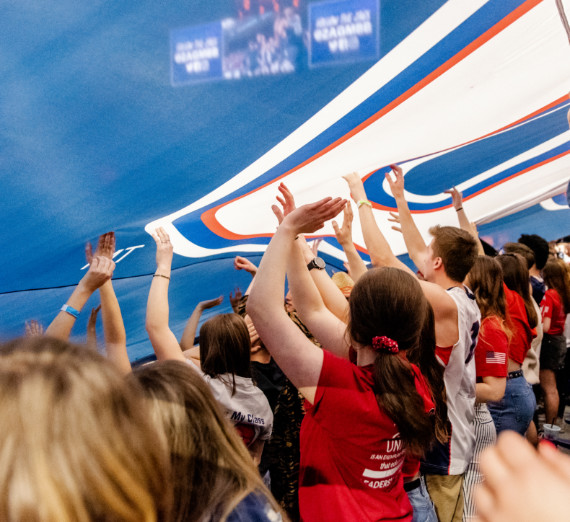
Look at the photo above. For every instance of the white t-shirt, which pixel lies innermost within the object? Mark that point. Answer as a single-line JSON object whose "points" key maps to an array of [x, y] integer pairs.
{"points": [[248, 409], [459, 380], [459, 377]]}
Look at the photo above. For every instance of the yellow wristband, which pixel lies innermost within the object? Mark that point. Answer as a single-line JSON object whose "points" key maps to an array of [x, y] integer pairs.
{"points": [[364, 202]]}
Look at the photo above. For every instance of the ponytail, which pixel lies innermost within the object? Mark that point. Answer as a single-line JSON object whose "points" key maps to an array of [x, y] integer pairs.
{"points": [[424, 358], [396, 393], [389, 302]]}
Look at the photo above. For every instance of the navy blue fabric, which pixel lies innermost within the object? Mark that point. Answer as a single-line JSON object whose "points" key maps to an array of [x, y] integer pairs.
{"points": [[94, 137]]}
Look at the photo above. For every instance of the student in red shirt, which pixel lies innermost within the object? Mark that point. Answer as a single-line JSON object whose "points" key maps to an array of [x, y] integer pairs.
{"points": [[554, 307], [485, 279], [516, 409], [361, 419]]}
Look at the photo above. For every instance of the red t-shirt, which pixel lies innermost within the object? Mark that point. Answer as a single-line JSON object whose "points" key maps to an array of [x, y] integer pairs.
{"points": [[351, 452], [518, 323], [491, 352], [551, 306]]}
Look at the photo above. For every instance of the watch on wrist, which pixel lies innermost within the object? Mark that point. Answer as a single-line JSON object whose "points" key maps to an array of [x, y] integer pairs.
{"points": [[318, 263]]}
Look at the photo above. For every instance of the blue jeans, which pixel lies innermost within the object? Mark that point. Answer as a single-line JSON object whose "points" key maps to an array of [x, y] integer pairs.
{"points": [[516, 409], [422, 504]]}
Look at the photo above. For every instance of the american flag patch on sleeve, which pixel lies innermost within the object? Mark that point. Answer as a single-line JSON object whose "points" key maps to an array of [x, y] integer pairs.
{"points": [[496, 358]]}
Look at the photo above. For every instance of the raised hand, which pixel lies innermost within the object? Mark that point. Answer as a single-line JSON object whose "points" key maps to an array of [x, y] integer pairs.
{"points": [[100, 271], [456, 197], [164, 249], [235, 299], [355, 186], [243, 263], [253, 335], [315, 247], [286, 199], [92, 328], [395, 218], [312, 217], [34, 328], [396, 184], [105, 247], [344, 234], [210, 303]]}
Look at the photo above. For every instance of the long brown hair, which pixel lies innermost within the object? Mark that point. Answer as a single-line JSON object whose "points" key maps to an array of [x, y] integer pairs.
{"points": [[424, 358], [225, 347], [486, 282], [556, 276], [517, 279], [75, 444], [389, 302], [212, 470]]}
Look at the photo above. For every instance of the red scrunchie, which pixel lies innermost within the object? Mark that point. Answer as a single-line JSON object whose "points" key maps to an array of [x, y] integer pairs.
{"points": [[384, 344]]}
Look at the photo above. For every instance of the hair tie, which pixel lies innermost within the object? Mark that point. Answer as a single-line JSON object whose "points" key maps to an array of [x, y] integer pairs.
{"points": [[384, 344]]}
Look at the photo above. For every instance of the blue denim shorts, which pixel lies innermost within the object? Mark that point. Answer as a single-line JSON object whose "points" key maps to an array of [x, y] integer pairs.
{"points": [[516, 409]]}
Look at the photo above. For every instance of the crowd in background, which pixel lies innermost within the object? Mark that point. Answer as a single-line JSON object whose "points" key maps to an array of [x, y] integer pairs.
{"points": [[377, 394]]}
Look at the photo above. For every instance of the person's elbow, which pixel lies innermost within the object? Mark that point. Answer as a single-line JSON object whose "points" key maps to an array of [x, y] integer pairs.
{"points": [[154, 329], [253, 306], [382, 259]]}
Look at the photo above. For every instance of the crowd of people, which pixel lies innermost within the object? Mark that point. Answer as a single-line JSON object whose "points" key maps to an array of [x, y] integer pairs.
{"points": [[377, 394]]}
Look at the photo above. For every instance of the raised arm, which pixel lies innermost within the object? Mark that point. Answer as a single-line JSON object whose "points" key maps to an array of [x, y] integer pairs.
{"points": [[100, 271], [300, 359], [415, 243], [113, 325], [34, 328], [92, 328], [243, 263], [380, 252], [343, 234], [307, 293], [161, 336], [314, 292], [189, 334], [464, 223]]}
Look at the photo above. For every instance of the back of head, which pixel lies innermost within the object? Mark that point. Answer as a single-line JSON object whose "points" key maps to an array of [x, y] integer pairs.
{"points": [[211, 468], [75, 444], [485, 279], [457, 249], [516, 277], [539, 247], [386, 301], [556, 276], [225, 346], [521, 250], [344, 282], [389, 302]]}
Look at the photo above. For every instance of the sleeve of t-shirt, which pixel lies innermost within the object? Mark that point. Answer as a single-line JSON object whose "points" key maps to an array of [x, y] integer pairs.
{"points": [[339, 395], [337, 374], [491, 350], [547, 305]]}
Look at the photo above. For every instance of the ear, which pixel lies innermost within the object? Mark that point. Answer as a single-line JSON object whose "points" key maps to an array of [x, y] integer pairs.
{"points": [[437, 263]]}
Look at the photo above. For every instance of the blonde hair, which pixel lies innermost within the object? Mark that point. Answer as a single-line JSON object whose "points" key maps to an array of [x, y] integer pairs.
{"points": [[74, 443], [212, 471], [344, 282]]}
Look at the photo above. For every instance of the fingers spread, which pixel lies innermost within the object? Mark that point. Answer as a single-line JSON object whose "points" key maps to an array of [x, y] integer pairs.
{"points": [[335, 227], [278, 213]]}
